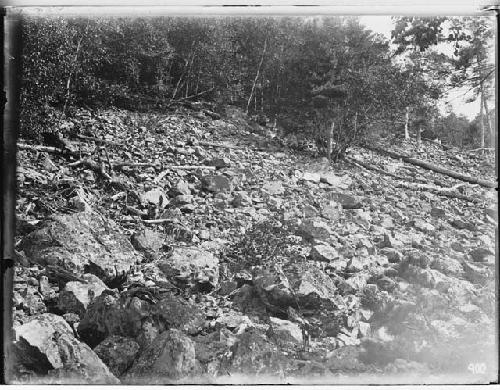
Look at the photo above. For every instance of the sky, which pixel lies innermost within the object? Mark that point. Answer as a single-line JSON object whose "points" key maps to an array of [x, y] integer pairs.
{"points": [[456, 98]]}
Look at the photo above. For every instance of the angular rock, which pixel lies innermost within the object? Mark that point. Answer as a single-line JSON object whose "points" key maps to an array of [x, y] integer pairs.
{"points": [[181, 188], [242, 199], [156, 197], [219, 162], [347, 201], [311, 176], [137, 312], [273, 188], [324, 252], [118, 353], [171, 355], [482, 255], [76, 296], [82, 243], [47, 342], [286, 330], [253, 353], [393, 255], [217, 183], [314, 229], [192, 266], [342, 182], [147, 241], [331, 210]]}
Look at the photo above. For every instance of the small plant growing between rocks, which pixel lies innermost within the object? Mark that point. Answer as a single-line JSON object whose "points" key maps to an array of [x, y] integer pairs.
{"points": [[269, 242]]}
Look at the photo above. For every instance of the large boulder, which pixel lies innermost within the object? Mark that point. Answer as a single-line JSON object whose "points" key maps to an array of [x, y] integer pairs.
{"points": [[76, 296], [137, 314], [82, 243], [47, 343], [118, 353], [217, 183], [314, 229], [170, 356], [193, 267]]}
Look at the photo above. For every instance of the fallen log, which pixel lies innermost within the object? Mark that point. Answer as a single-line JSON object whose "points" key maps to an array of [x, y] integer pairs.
{"points": [[432, 167], [217, 145], [50, 149], [448, 192], [378, 170], [97, 140]]}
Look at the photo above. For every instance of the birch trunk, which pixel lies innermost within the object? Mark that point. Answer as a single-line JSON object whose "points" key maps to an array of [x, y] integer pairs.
{"points": [[407, 121]]}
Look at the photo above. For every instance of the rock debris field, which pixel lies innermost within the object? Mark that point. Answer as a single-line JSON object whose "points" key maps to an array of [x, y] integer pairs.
{"points": [[185, 247]]}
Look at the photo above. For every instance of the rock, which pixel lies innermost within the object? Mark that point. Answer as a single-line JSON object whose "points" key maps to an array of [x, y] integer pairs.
{"points": [[253, 353], [356, 264], [76, 296], [459, 224], [314, 229], [181, 188], [438, 213], [171, 355], [342, 182], [477, 273], [219, 162], [457, 247], [347, 201], [227, 287], [418, 259], [191, 266], [393, 255], [47, 342], [130, 316], [156, 197], [311, 176], [448, 266], [424, 226], [184, 201], [391, 242], [273, 188], [175, 312], [286, 330], [118, 353], [82, 243], [482, 255], [45, 289], [48, 164], [148, 241], [216, 183], [234, 321], [30, 301], [309, 211], [331, 210], [386, 284], [492, 212], [242, 199], [324, 253]]}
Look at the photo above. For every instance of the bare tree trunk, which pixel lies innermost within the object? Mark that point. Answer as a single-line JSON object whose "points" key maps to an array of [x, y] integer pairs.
{"points": [[73, 70], [419, 132], [330, 142], [491, 130], [256, 76], [407, 121], [481, 115]]}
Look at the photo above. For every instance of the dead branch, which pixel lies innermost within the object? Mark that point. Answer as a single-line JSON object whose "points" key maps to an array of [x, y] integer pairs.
{"points": [[432, 167], [217, 145], [158, 221], [378, 170], [50, 149], [448, 192], [97, 140]]}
